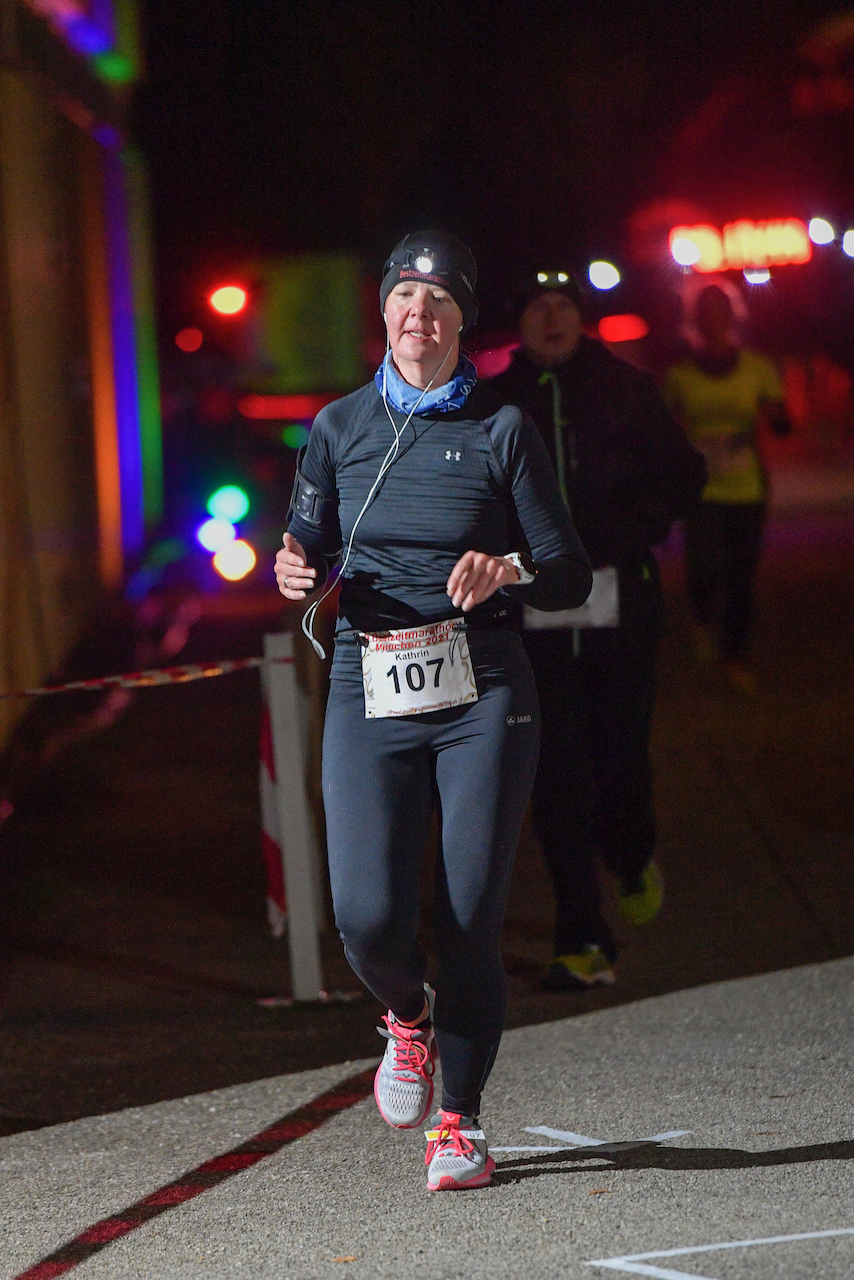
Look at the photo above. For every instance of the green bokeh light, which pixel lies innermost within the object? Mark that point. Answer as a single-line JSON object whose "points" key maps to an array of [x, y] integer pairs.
{"points": [[228, 503], [115, 67], [167, 551], [295, 435]]}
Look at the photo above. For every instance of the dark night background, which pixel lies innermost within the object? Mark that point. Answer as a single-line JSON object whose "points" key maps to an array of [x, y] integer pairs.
{"points": [[531, 129]]}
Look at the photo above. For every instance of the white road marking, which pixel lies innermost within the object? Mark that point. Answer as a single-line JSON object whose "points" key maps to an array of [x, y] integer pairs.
{"points": [[633, 1264], [564, 1135], [507, 1151], [640, 1269], [580, 1142]]}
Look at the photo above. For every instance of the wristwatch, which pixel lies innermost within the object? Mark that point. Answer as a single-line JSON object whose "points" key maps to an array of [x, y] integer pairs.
{"points": [[525, 565]]}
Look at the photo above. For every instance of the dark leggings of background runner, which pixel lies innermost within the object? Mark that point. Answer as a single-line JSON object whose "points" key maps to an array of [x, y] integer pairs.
{"points": [[381, 780], [722, 545], [593, 793]]}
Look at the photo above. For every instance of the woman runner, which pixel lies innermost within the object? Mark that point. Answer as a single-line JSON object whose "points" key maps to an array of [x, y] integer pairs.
{"points": [[446, 511]]}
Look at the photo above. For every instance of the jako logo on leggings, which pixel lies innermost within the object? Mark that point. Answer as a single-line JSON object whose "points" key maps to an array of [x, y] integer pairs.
{"points": [[519, 719]]}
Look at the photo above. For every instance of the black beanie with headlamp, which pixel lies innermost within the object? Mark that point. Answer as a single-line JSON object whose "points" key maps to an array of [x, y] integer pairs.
{"points": [[557, 280], [434, 257]]}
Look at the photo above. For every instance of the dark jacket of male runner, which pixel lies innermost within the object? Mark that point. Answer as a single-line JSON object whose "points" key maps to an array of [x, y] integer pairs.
{"points": [[629, 469], [477, 478]]}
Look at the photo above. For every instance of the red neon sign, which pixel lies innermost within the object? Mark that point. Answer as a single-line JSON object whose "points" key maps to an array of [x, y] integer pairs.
{"points": [[742, 244]]}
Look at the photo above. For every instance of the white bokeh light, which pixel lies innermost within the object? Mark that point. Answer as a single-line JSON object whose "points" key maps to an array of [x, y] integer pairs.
{"points": [[848, 243], [820, 231], [757, 275], [215, 533], [684, 251], [603, 275]]}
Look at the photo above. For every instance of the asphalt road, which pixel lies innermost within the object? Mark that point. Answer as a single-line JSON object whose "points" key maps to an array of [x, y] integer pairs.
{"points": [[755, 1073]]}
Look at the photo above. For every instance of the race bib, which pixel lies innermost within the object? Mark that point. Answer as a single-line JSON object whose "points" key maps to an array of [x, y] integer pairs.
{"points": [[600, 609], [407, 673]]}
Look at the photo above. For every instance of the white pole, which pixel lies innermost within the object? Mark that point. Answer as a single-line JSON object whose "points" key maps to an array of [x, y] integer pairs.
{"points": [[296, 827]]}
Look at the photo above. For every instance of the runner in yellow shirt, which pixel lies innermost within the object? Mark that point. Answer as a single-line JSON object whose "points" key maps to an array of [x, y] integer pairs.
{"points": [[719, 395]]}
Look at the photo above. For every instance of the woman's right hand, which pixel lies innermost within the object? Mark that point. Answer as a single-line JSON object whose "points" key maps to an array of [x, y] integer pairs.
{"points": [[294, 576]]}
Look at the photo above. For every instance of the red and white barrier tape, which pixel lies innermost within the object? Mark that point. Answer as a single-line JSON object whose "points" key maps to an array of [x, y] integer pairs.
{"points": [[147, 679]]}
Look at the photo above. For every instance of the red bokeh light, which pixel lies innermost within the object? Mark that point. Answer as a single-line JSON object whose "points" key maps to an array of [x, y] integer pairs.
{"points": [[189, 339], [626, 328], [280, 407]]}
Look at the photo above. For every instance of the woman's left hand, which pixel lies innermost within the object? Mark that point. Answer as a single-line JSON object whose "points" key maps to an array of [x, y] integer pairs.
{"points": [[476, 576]]}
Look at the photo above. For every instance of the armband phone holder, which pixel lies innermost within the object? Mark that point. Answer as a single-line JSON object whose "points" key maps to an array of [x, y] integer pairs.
{"points": [[307, 500]]}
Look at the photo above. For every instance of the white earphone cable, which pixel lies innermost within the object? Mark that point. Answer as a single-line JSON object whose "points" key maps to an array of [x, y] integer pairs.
{"points": [[385, 466]]}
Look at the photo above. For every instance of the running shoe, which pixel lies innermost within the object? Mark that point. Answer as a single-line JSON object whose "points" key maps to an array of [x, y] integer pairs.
{"points": [[641, 902], [403, 1085], [578, 972], [457, 1157]]}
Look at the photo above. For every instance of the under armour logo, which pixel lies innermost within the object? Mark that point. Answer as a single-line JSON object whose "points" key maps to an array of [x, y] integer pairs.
{"points": [[450, 455]]}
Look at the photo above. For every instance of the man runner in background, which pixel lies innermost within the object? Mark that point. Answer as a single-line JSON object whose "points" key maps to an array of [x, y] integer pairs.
{"points": [[625, 471]]}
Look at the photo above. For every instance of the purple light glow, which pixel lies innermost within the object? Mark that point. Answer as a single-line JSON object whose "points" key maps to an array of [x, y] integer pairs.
{"points": [[107, 136], [87, 25], [124, 353], [86, 37]]}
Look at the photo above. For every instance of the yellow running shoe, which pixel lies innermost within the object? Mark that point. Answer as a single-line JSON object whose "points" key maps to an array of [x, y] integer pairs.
{"points": [[642, 904], [578, 972]]}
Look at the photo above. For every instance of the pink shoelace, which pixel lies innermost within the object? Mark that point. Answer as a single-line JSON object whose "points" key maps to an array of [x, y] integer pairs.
{"points": [[450, 1140], [409, 1055]]}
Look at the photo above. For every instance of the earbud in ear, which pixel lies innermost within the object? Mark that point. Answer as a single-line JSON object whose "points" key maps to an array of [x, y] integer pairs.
{"points": [[461, 328]]}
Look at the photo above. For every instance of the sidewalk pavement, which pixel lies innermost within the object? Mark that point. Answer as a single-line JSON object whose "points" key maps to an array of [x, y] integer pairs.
{"points": [[756, 1070]]}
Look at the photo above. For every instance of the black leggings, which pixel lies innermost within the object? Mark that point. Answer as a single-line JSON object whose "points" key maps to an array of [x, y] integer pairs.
{"points": [[722, 545], [593, 792], [381, 779]]}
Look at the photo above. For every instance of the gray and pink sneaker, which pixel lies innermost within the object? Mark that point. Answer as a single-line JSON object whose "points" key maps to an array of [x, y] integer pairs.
{"points": [[403, 1085], [457, 1156]]}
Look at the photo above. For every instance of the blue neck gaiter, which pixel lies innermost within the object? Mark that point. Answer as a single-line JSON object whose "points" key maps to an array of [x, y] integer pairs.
{"points": [[403, 397]]}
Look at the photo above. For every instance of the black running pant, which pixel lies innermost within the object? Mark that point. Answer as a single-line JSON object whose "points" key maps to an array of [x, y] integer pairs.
{"points": [[722, 545], [381, 780], [593, 793]]}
